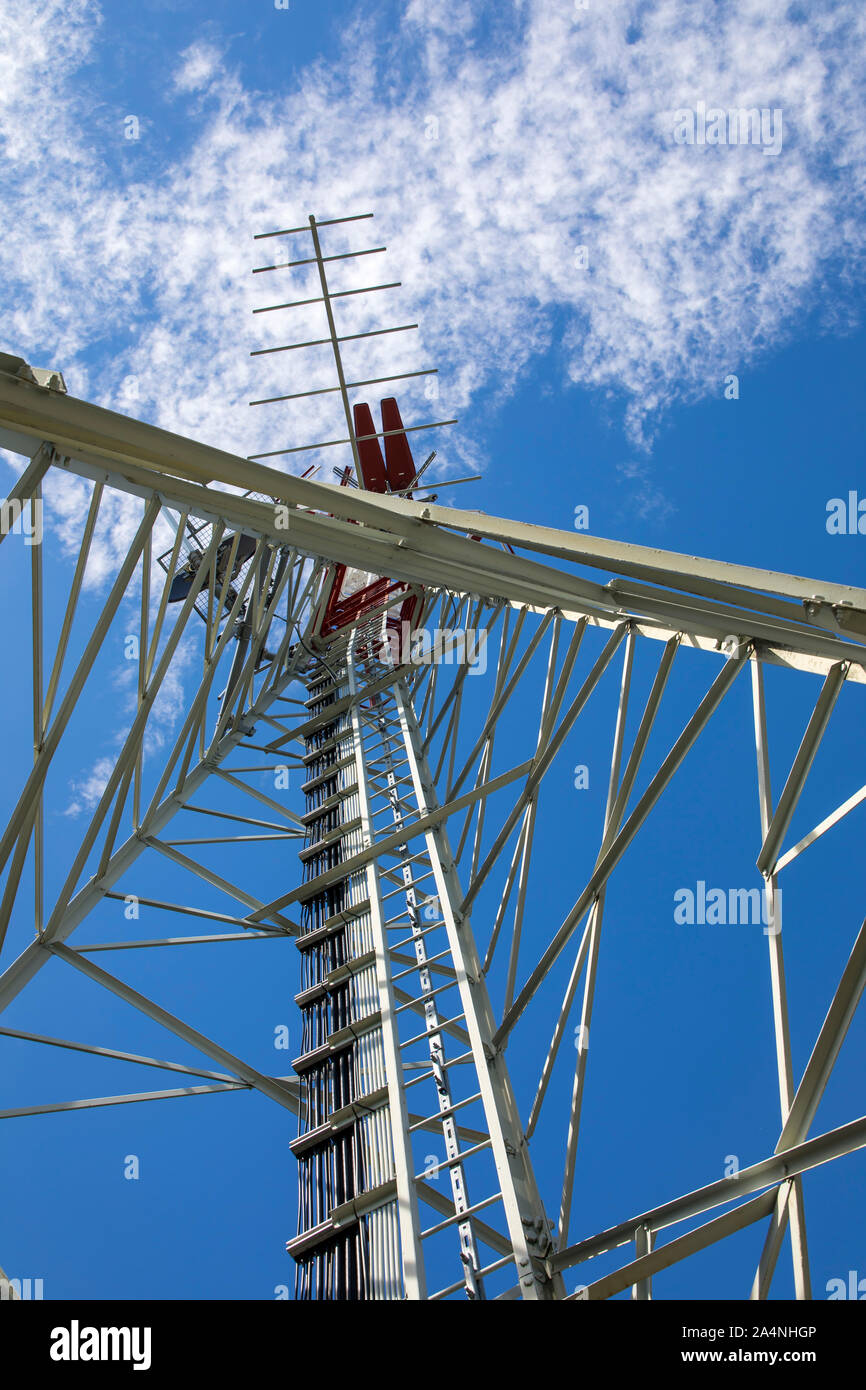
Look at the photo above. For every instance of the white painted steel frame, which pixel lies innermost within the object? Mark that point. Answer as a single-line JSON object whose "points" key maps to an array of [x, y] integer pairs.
{"points": [[773, 618]]}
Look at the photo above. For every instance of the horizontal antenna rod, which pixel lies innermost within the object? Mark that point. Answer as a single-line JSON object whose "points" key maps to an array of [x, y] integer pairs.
{"points": [[452, 482], [332, 222], [331, 443], [347, 338], [320, 299], [350, 386], [311, 260]]}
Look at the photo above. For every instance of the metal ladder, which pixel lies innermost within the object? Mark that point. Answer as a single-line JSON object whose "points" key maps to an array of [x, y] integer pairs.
{"points": [[414, 910]]}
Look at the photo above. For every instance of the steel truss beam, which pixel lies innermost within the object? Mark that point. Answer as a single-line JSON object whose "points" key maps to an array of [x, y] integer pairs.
{"points": [[847, 1139], [749, 615], [152, 457]]}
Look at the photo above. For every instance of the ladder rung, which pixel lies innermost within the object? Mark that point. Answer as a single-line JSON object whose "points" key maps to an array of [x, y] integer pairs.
{"points": [[408, 940], [384, 762], [419, 964], [459, 1157], [422, 998], [432, 1032], [393, 756], [404, 887], [398, 782], [389, 735], [400, 801], [461, 1216], [402, 812], [444, 1114], [479, 1274], [443, 1066], [376, 779]]}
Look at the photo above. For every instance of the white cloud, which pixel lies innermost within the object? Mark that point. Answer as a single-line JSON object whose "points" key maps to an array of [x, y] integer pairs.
{"points": [[172, 701], [42, 46], [487, 166], [646, 499], [200, 63], [166, 715], [87, 790]]}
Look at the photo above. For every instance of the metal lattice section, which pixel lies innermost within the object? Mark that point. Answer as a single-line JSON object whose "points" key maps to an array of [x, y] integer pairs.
{"points": [[408, 1008]]}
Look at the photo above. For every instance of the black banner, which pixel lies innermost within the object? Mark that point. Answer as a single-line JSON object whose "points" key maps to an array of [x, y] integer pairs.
{"points": [[63, 1339]]}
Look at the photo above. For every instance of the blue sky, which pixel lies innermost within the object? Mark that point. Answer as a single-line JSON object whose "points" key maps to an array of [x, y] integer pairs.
{"points": [[491, 142]]}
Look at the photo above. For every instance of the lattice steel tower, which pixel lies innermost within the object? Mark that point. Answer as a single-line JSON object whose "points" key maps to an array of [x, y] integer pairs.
{"points": [[336, 626]]}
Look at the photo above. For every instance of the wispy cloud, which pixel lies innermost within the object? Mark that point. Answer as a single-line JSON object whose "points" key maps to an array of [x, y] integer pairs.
{"points": [[200, 64], [87, 789], [527, 132], [120, 692], [646, 499]]}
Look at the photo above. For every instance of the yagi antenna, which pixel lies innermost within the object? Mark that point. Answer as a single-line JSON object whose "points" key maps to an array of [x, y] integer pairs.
{"points": [[327, 298]]}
